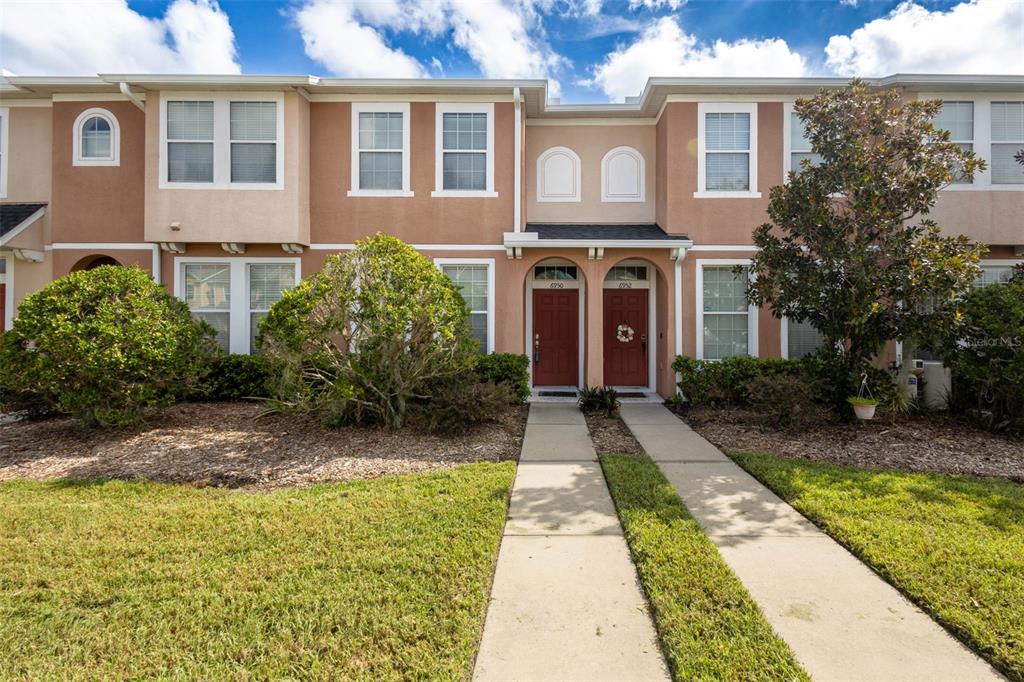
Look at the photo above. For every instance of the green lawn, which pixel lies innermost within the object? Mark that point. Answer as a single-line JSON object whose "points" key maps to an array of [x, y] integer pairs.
{"points": [[710, 627], [954, 545], [384, 579]]}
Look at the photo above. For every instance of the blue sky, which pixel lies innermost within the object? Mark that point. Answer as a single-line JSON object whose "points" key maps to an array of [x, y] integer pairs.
{"points": [[590, 50]]}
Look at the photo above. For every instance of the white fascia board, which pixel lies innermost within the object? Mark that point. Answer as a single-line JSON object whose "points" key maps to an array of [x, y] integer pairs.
{"points": [[601, 243]]}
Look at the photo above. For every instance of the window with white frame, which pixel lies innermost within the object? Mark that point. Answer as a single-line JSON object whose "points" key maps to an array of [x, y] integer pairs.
{"points": [[1007, 140], [96, 139], [993, 274], [218, 141], [802, 339], [4, 122], [727, 150], [474, 280], [728, 322], [958, 119], [799, 145], [234, 295], [380, 150], [465, 150]]}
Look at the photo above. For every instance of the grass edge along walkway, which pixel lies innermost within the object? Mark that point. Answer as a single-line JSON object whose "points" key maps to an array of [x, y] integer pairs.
{"points": [[377, 579], [953, 545], [709, 626]]}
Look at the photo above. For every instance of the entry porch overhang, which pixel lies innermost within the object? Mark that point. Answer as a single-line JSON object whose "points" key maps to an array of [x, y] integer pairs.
{"points": [[595, 238]]}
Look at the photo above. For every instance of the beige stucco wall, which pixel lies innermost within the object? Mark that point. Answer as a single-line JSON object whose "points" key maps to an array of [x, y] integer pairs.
{"points": [[986, 216], [591, 143], [29, 140], [28, 277], [226, 215]]}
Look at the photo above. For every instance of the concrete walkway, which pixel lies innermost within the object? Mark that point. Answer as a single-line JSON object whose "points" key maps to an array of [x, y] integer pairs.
{"points": [[842, 620], [565, 604]]}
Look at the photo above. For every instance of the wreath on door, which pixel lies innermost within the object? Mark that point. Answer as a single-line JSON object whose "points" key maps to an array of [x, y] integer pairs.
{"points": [[624, 333]]}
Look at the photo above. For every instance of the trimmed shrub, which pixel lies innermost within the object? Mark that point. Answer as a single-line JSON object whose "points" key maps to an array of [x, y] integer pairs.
{"points": [[102, 345], [507, 369], [459, 403], [368, 336], [599, 399], [785, 401], [235, 377]]}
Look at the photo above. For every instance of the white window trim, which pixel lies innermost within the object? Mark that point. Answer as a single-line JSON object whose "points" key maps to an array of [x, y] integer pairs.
{"points": [[115, 139], [443, 108], [489, 262], [222, 139], [402, 108], [238, 314], [572, 197], [752, 311], [982, 137], [608, 197], [5, 118], [9, 289], [704, 108]]}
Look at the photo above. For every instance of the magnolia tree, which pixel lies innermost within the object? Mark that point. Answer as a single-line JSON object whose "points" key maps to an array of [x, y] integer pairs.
{"points": [[369, 335], [850, 248]]}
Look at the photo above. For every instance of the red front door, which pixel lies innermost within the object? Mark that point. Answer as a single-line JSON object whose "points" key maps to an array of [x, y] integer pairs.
{"points": [[625, 337], [556, 337]]}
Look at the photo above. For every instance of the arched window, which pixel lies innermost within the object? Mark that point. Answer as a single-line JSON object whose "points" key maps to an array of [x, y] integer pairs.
{"points": [[97, 139], [558, 175], [622, 175]]}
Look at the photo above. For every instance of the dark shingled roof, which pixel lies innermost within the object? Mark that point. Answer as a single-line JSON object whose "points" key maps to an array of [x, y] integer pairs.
{"points": [[597, 231], [12, 215]]}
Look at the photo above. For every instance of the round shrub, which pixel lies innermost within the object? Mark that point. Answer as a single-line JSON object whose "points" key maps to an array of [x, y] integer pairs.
{"points": [[507, 369], [101, 345], [368, 336], [235, 377]]}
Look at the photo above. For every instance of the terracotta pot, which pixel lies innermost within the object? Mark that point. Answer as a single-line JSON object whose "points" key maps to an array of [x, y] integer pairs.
{"points": [[864, 412]]}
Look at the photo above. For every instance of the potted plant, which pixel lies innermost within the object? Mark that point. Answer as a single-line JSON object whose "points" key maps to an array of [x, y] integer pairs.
{"points": [[863, 407]]}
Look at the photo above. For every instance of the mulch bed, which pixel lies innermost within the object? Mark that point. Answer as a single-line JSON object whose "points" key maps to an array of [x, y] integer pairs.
{"points": [[230, 444], [610, 435], [934, 443]]}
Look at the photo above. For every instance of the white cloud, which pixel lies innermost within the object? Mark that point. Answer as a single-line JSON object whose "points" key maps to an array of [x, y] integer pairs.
{"points": [[664, 49], [982, 36], [505, 39], [78, 38], [656, 4]]}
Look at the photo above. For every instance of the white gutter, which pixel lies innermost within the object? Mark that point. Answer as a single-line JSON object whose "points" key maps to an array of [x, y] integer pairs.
{"points": [[126, 91], [517, 143], [511, 241]]}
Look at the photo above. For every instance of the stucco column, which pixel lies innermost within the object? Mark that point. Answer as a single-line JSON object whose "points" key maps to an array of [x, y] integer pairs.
{"points": [[594, 374]]}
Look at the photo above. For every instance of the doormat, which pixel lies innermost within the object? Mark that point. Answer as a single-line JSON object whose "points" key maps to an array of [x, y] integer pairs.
{"points": [[557, 394], [632, 394]]}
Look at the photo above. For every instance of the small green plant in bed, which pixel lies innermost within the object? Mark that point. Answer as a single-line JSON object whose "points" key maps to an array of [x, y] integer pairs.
{"points": [[603, 399]]}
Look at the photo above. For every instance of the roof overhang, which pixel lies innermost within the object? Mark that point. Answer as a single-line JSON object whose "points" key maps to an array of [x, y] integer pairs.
{"points": [[530, 240], [22, 226]]}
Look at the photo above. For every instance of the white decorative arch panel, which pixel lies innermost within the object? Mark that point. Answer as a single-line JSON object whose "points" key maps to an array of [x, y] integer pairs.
{"points": [[622, 175], [558, 175]]}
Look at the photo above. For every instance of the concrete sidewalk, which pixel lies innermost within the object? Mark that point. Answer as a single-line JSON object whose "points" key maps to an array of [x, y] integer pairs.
{"points": [[565, 604], [841, 619]]}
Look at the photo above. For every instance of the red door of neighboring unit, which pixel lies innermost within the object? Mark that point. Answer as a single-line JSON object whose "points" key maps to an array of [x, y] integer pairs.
{"points": [[556, 340], [625, 348]]}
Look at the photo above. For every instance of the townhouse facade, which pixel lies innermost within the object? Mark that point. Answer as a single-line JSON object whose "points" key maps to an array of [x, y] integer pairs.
{"points": [[599, 239]]}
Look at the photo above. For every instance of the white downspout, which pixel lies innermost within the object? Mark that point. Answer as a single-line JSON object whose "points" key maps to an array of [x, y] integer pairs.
{"points": [[517, 137], [155, 267], [679, 310], [131, 95]]}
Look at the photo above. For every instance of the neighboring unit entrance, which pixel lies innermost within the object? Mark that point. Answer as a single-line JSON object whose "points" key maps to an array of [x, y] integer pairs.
{"points": [[625, 337], [556, 315]]}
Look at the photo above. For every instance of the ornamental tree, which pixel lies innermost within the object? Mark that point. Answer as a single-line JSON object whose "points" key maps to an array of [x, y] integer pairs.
{"points": [[849, 246], [370, 335]]}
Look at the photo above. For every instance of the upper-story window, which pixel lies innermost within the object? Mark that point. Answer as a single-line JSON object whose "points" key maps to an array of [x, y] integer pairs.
{"points": [[380, 150], [958, 119], [798, 147], [727, 150], [1007, 140], [4, 118], [97, 139], [222, 141], [465, 150]]}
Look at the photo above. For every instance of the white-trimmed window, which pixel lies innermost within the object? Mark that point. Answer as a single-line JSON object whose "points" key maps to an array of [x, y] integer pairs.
{"points": [[234, 294], [622, 175], [222, 141], [380, 150], [465, 150], [5, 115], [726, 150], [727, 323], [475, 281], [958, 119], [96, 139], [999, 273], [558, 175], [800, 339], [798, 147], [1007, 140]]}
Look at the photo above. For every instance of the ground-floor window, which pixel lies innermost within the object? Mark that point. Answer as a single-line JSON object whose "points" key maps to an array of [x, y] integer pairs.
{"points": [[233, 294], [5, 312], [728, 323], [802, 339], [475, 281]]}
